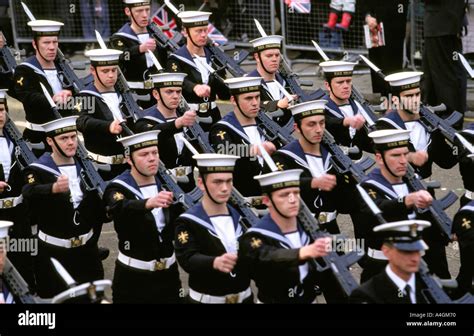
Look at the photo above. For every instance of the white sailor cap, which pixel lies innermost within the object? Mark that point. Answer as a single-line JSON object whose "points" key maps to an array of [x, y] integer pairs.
{"points": [[308, 109], [60, 126], [267, 42], [4, 226], [139, 141], [168, 79], [136, 3], [333, 69], [3, 96], [390, 139], [45, 27], [404, 235], [104, 57], [194, 18], [240, 85], [278, 180], [402, 81], [215, 163]]}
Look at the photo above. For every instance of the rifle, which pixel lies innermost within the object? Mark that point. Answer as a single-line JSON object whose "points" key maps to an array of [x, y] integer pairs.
{"points": [[162, 39], [9, 62], [17, 285], [23, 153], [434, 288], [440, 218], [338, 264], [293, 82]]}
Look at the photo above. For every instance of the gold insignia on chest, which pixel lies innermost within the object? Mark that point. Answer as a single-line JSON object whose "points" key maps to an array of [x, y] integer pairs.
{"points": [[183, 237], [31, 179], [466, 224], [221, 134], [372, 193], [256, 243], [20, 81], [118, 196]]}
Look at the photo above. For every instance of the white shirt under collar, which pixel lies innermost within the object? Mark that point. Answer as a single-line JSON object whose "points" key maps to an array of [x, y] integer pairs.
{"points": [[401, 284]]}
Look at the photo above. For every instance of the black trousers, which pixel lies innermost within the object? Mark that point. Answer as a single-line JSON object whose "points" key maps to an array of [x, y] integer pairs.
{"points": [[445, 79], [136, 286], [82, 263]]}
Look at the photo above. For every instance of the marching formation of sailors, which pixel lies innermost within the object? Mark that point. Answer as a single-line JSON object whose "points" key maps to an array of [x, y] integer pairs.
{"points": [[208, 239]]}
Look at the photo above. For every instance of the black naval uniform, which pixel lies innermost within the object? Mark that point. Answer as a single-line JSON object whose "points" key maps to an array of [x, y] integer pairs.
{"points": [[173, 152], [227, 133], [270, 98], [14, 209], [346, 136], [197, 244], [434, 143], [142, 242], [97, 137], [207, 111], [134, 64], [66, 223], [392, 205], [466, 167], [381, 289], [463, 224], [27, 79], [274, 265]]}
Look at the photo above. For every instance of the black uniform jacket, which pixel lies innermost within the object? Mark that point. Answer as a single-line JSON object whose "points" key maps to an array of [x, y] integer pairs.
{"points": [[274, 264], [198, 244], [135, 225]]}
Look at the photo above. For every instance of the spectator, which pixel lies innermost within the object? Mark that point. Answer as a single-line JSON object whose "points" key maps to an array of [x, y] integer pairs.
{"points": [[347, 8], [389, 58], [94, 16], [445, 79]]}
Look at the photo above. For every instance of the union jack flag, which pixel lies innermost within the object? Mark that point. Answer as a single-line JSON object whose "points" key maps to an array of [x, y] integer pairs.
{"points": [[163, 21], [215, 35], [299, 6]]}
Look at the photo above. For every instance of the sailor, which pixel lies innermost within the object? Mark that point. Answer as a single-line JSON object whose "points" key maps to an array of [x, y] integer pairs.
{"points": [[399, 282], [42, 68], [463, 223], [238, 134], [166, 118], [343, 114], [320, 185], [101, 113], [146, 270], [466, 167], [426, 146], [206, 237], [388, 187], [277, 251], [12, 207], [200, 87], [66, 211], [135, 42], [267, 53]]}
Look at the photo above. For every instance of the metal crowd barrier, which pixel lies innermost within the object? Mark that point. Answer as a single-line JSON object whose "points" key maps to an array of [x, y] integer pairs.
{"points": [[299, 29]]}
